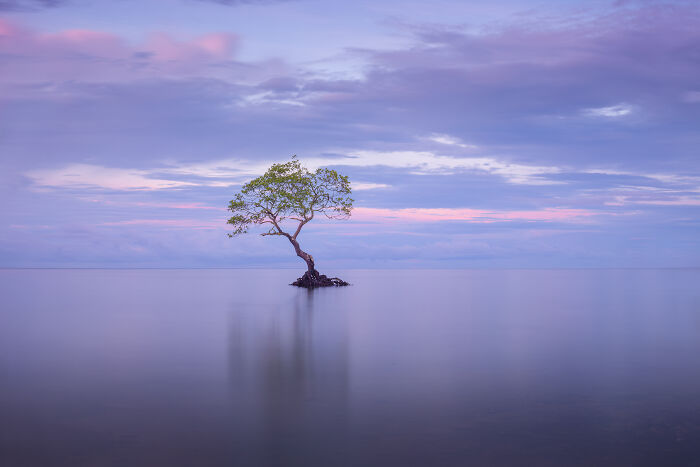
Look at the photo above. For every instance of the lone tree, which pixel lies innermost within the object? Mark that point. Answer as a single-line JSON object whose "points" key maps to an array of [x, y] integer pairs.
{"points": [[290, 192]]}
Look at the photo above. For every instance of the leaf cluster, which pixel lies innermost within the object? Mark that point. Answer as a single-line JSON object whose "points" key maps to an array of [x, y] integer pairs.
{"points": [[290, 191]]}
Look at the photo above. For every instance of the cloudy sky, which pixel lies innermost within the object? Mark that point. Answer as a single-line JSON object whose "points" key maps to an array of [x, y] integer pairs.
{"points": [[507, 133]]}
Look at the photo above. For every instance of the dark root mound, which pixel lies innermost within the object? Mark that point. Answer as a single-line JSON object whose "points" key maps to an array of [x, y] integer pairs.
{"points": [[311, 280]]}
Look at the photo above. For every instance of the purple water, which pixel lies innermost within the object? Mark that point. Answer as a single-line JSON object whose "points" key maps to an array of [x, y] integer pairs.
{"points": [[404, 368]]}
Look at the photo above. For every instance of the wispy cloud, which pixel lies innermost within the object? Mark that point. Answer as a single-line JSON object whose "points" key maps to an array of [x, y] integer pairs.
{"points": [[654, 196], [176, 223], [225, 173], [152, 204], [471, 215], [613, 111], [360, 186], [233, 172], [418, 162], [425, 162], [679, 201], [84, 176], [450, 141], [667, 178]]}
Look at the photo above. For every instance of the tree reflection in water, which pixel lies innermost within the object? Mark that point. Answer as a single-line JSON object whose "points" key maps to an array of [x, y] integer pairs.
{"points": [[289, 382]]}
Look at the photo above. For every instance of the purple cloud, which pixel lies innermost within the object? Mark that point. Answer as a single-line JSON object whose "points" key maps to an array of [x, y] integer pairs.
{"points": [[28, 5], [91, 55]]}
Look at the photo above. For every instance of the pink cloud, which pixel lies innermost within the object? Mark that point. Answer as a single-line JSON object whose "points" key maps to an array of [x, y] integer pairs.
{"points": [[97, 42], [92, 55], [6, 28], [209, 47], [469, 215], [217, 44]]}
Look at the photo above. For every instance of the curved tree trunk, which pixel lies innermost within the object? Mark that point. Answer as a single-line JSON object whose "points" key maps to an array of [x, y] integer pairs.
{"points": [[311, 278], [305, 256]]}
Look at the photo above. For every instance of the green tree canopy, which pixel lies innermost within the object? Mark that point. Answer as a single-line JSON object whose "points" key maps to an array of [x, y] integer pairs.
{"points": [[290, 192]]}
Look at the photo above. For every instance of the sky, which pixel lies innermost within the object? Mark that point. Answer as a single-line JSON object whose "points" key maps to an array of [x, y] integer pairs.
{"points": [[500, 134]]}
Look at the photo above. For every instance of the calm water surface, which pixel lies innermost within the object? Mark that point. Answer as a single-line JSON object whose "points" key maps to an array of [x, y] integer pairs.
{"points": [[404, 368]]}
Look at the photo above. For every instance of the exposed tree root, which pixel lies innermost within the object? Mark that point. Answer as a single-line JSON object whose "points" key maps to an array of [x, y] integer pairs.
{"points": [[312, 279]]}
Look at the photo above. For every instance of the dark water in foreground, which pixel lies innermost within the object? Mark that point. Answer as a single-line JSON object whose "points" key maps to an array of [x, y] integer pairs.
{"points": [[405, 368]]}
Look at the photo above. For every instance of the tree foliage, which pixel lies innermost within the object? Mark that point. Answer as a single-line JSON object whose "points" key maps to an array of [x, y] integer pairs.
{"points": [[289, 191]]}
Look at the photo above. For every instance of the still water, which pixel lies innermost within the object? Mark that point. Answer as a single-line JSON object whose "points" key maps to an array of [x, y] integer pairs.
{"points": [[404, 368]]}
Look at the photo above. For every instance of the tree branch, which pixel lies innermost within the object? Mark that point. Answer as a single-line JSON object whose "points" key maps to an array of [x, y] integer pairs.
{"points": [[301, 224], [279, 230]]}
